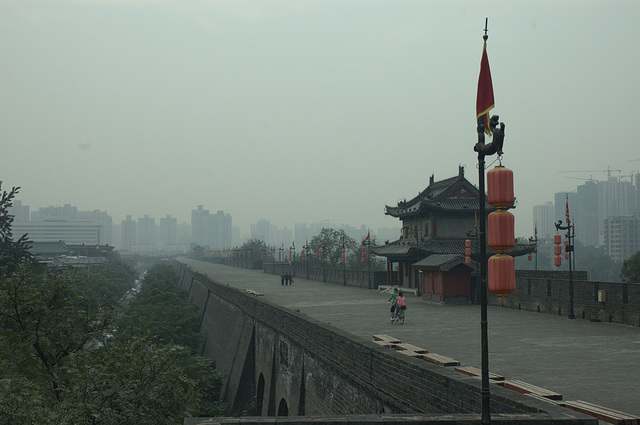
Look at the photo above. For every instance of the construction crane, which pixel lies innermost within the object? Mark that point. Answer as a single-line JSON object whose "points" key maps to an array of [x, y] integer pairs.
{"points": [[608, 171]]}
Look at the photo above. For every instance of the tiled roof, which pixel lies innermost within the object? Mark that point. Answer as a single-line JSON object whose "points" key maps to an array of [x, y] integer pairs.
{"points": [[443, 262], [440, 196], [430, 246]]}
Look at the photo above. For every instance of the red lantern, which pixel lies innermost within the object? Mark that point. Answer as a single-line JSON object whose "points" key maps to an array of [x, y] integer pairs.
{"points": [[319, 254], [467, 260], [342, 255], [502, 274], [467, 243], [566, 255], [302, 257], [557, 250], [500, 187], [557, 239], [362, 249], [557, 261], [501, 230], [530, 256], [467, 252]]}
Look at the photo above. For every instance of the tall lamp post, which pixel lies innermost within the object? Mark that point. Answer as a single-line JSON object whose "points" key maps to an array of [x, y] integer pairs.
{"points": [[343, 254], [292, 259], [307, 250], [484, 103], [569, 249], [416, 274]]}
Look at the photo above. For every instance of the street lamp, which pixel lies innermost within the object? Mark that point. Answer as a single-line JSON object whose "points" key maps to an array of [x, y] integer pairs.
{"points": [[484, 103], [307, 250], [344, 262], [292, 248], [416, 232], [569, 249]]}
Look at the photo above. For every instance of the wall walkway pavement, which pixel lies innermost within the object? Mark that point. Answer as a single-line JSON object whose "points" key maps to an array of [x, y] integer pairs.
{"points": [[596, 362]]}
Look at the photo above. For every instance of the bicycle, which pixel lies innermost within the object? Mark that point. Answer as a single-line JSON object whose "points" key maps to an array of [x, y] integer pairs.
{"points": [[399, 316]]}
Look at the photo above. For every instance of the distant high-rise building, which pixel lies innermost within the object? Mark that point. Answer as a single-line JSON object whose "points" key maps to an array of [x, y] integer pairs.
{"points": [[129, 236], [586, 216], [622, 236], [168, 231], [616, 198], [544, 220], [261, 231], [60, 229], [19, 212], [71, 213], [210, 231], [147, 232]]}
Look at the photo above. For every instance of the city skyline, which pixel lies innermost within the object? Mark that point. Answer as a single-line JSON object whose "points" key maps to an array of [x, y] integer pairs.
{"points": [[323, 110], [552, 210]]}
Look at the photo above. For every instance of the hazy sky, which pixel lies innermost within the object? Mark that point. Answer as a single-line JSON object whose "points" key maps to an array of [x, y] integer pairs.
{"points": [[302, 111]]}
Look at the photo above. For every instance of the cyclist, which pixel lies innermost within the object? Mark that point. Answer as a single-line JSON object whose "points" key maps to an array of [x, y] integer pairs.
{"points": [[393, 297], [401, 303]]}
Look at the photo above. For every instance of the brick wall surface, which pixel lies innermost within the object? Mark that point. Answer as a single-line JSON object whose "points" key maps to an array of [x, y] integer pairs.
{"points": [[315, 369], [548, 293], [545, 291]]}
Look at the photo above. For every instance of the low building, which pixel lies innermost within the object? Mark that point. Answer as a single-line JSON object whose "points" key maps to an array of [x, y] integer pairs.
{"points": [[436, 222]]}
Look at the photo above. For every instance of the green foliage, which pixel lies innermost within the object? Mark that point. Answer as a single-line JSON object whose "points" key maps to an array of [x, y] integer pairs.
{"points": [[630, 271], [162, 277], [160, 311], [257, 248], [167, 317], [104, 283], [58, 364], [12, 253], [331, 242]]}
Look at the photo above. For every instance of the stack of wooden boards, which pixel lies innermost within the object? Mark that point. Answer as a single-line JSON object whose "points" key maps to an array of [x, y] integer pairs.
{"points": [[602, 413]]}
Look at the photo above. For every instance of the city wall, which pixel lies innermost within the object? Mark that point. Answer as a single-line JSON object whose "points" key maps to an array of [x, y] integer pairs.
{"points": [[544, 291], [279, 362], [548, 292]]}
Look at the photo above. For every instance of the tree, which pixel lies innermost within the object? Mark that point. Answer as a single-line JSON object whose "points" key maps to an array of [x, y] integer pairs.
{"points": [[631, 269], [12, 253], [254, 249], [331, 242], [58, 364]]}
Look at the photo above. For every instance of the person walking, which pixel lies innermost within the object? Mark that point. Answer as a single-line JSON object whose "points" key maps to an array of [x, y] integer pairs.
{"points": [[393, 298], [282, 279]]}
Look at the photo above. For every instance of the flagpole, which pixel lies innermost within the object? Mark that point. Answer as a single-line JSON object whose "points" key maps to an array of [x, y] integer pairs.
{"points": [[484, 103]]}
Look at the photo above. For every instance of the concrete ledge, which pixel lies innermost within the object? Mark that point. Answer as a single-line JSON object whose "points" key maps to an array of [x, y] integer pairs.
{"points": [[522, 419]]}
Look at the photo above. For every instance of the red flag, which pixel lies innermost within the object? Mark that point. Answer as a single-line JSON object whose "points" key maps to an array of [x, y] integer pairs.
{"points": [[567, 210], [368, 236], [484, 100]]}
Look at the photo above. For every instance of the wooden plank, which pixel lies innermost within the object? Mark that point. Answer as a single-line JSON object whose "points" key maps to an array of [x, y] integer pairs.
{"points": [[440, 360], [410, 347], [525, 388], [384, 337], [603, 413], [384, 343], [474, 371], [545, 399]]}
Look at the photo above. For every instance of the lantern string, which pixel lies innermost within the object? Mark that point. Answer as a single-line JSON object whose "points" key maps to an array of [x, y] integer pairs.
{"points": [[494, 161]]}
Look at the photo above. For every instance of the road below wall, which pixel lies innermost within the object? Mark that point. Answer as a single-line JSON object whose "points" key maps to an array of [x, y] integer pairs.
{"points": [[591, 361]]}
